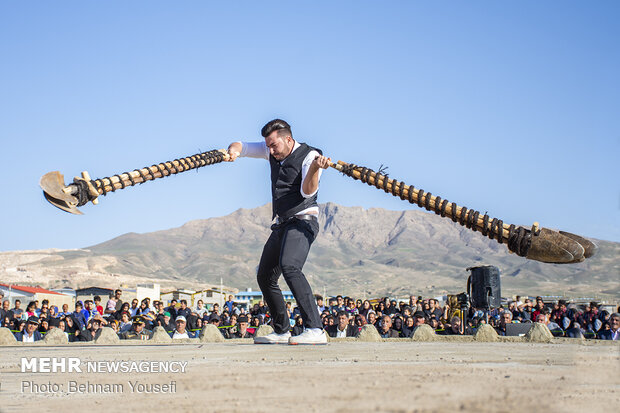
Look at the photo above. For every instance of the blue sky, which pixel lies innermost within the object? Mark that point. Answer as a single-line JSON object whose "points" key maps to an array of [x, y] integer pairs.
{"points": [[505, 107]]}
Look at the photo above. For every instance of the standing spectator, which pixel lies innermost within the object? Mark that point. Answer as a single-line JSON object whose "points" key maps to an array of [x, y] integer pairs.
{"points": [[29, 333], [65, 311], [200, 308], [385, 330], [6, 310], [98, 307], [110, 307], [184, 310], [117, 296], [17, 310], [229, 303], [614, 328]]}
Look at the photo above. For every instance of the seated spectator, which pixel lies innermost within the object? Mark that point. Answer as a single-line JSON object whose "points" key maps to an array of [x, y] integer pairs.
{"points": [[298, 328], [397, 324], [181, 331], [43, 325], [215, 320], [138, 330], [419, 318], [343, 328], [372, 318], [65, 311], [360, 321], [125, 322], [407, 330], [29, 333], [504, 319], [454, 329], [614, 328], [92, 331], [242, 328], [385, 329], [553, 327]]}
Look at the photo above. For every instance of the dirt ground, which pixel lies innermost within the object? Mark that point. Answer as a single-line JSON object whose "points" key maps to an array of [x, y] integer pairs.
{"points": [[340, 377]]}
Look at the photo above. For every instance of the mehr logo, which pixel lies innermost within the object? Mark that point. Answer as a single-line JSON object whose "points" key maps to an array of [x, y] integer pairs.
{"points": [[51, 365]]}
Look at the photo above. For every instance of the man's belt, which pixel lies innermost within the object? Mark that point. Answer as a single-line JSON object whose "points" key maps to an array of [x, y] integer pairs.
{"points": [[305, 217]]}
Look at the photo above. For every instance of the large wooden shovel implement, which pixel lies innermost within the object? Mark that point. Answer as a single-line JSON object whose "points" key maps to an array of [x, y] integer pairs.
{"points": [[540, 244]]}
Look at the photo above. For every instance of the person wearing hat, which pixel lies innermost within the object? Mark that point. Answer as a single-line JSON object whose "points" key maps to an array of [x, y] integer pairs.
{"points": [[164, 320], [138, 331], [181, 331], [216, 320], [30, 334], [242, 328]]}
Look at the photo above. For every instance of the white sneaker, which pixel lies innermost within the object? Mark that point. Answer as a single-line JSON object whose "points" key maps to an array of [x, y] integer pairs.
{"points": [[273, 338], [310, 336]]}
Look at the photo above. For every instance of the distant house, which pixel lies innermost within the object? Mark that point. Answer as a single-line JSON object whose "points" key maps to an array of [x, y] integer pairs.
{"points": [[83, 294], [253, 297], [26, 294], [178, 295]]}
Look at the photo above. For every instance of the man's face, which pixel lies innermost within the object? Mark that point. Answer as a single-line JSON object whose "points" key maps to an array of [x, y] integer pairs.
{"points": [[118, 294], [456, 324], [340, 300], [181, 326], [18, 304], [278, 147], [243, 326], [61, 325], [134, 303], [506, 318], [65, 308], [419, 320], [540, 318], [615, 323], [124, 318], [343, 320], [183, 305], [387, 323], [96, 325], [138, 327], [372, 318], [30, 327], [5, 305]]}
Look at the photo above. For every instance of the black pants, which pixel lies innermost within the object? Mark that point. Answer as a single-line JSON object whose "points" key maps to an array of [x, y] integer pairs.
{"points": [[285, 253]]}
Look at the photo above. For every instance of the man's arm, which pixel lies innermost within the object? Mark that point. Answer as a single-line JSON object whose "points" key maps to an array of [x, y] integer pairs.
{"points": [[247, 149], [311, 182]]}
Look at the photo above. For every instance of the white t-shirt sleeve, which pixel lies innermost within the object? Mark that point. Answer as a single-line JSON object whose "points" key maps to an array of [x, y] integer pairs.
{"points": [[304, 171], [254, 150]]}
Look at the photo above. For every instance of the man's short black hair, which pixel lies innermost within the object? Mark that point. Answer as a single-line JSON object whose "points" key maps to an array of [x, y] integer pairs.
{"points": [[283, 128], [343, 313]]}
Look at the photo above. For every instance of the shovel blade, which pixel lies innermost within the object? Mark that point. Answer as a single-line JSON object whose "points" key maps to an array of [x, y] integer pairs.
{"points": [[552, 247], [53, 185]]}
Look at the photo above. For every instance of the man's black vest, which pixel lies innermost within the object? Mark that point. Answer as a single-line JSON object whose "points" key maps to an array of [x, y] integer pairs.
{"points": [[286, 198]]}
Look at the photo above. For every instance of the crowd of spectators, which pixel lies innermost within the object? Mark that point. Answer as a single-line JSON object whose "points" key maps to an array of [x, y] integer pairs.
{"points": [[341, 317]]}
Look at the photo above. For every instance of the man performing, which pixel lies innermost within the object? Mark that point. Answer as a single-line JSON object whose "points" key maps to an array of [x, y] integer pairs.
{"points": [[295, 173]]}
